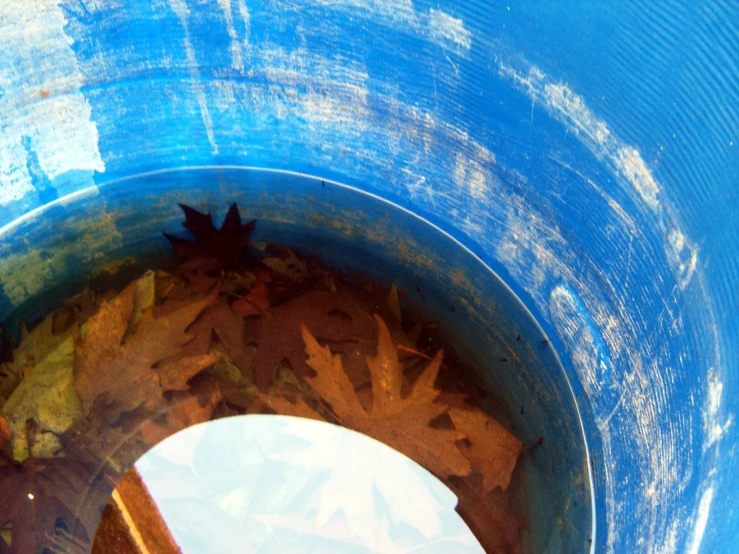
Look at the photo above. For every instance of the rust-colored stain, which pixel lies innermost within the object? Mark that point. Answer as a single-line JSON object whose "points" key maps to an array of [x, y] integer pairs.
{"points": [[44, 93]]}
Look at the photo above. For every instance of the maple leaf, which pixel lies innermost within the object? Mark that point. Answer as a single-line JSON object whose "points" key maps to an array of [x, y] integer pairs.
{"points": [[120, 375], [332, 316], [398, 421], [230, 329], [35, 494], [493, 451], [224, 246]]}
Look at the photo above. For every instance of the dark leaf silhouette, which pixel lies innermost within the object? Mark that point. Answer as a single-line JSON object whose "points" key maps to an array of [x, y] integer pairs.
{"points": [[224, 246]]}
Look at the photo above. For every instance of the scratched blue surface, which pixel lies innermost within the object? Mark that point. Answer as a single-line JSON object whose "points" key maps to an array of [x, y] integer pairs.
{"points": [[588, 153]]}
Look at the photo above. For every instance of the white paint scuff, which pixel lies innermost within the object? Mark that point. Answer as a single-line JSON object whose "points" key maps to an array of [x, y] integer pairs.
{"points": [[179, 7], [236, 59], [42, 112], [644, 386], [704, 509], [713, 425], [570, 109], [445, 29], [435, 25]]}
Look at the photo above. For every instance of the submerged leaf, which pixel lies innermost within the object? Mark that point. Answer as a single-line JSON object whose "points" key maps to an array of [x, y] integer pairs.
{"points": [[400, 422], [224, 246], [121, 375], [492, 450], [4, 435], [277, 333], [393, 303], [34, 346], [288, 265], [48, 398]]}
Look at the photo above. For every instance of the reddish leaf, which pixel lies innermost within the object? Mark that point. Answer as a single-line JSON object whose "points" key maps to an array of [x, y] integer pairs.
{"points": [[397, 420], [264, 275], [330, 316], [230, 329], [225, 246], [255, 302], [183, 411], [245, 308], [4, 435]]}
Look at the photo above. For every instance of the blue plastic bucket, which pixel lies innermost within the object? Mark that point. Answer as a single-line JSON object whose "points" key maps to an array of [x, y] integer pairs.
{"points": [[585, 152]]}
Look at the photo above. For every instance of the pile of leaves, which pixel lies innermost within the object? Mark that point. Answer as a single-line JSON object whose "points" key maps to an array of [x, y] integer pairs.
{"points": [[108, 375]]}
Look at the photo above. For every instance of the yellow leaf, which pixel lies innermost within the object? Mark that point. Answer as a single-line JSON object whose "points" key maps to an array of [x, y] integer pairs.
{"points": [[36, 345], [144, 297], [47, 396]]}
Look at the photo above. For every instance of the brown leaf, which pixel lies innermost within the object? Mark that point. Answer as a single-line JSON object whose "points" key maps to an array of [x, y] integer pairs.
{"points": [[277, 333], [230, 329], [121, 375], [331, 382], [77, 309], [401, 422], [283, 406], [96, 439], [174, 376], [191, 280], [184, 411], [255, 302], [493, 451]]}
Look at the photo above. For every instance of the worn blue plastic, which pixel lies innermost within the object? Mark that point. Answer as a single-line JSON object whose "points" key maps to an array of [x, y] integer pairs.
{"points": [[587, 152]]}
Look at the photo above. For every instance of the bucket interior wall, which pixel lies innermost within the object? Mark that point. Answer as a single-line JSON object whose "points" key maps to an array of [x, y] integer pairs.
{"points": [[585, 152]]}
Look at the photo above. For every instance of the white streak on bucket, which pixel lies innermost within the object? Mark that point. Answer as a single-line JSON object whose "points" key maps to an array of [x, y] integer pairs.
{"points": [[42, 112], [704, 509], [179, 7], [436, 26], [570, 108], [236, 59]]}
